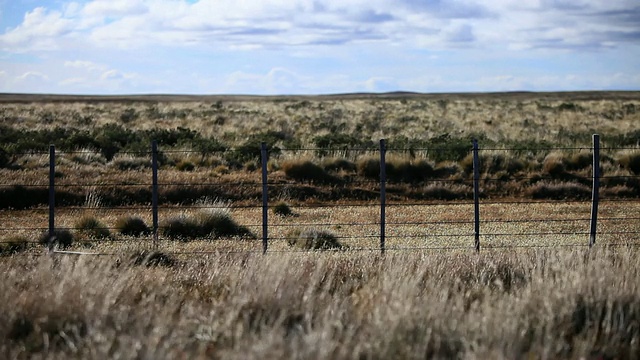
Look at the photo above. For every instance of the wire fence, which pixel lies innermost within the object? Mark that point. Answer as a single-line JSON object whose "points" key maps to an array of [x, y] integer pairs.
{"points": [[338, 199]]}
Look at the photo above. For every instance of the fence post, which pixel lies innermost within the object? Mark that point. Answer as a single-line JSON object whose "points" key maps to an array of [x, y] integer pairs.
{"points": [[265, 199], [595, 194], [476, 194], [52, 195], [154, 190], [383, 193]]}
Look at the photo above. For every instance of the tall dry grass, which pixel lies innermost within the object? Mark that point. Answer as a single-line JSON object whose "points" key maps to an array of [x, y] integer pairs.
{"points": [[530, 304]]}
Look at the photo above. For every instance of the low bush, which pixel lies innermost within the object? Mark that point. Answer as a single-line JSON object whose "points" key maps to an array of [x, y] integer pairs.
{"points": [[213, 223], [559, 191], [90, 227], [553, 165], [630, 160], [314, 239], [132, 226], [338, 164], [305, 170], [153, 259], [14, 245], [369, 167], [282, 209], [185, 165], [61, 238], [411, 171]]}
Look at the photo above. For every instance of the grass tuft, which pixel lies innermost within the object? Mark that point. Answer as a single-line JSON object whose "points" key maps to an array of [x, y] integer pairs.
{"points": [[314, 239], [132, 226]]}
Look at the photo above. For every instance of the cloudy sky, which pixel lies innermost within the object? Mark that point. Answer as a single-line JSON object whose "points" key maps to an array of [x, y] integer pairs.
{"points": [[317, 46]]}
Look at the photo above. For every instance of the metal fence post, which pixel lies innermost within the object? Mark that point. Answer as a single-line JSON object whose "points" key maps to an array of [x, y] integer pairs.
{"points": [[265, 198], [52, 195], [595, 194], [154, 190], [476, 194], [383, 193]]}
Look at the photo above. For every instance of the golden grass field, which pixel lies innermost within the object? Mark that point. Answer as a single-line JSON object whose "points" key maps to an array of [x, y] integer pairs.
{"points": [[535, 290]]}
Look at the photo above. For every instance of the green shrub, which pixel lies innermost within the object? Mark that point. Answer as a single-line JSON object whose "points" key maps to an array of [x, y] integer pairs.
{"points": [[62, 238], [314, 239], [305, 170], [282, 209], [132, 226], [92, 228], [630, 160]]}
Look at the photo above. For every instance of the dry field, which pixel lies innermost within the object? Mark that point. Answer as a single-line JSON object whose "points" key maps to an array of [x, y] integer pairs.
{"points": [[534, 291]]}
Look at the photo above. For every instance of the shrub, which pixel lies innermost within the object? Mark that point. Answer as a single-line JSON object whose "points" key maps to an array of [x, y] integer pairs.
{"points": [[559, 191], [185, 165], [4, 158], [409, 171], [306, 170], [630, 160], [132, 226], [369, 167], [215, 223], [314, 239], [553, 165], [92, 228], [62, 238], [13, 245], [282, 209], [153, 259], [338, 164], [578, 161], [492, 163], [130, 162]]}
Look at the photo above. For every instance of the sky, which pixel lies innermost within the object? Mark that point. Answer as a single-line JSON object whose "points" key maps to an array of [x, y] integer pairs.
{"points": [[277, 47]]}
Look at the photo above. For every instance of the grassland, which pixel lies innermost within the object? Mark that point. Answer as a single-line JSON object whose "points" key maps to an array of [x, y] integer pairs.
{"points": [[540, 295]]}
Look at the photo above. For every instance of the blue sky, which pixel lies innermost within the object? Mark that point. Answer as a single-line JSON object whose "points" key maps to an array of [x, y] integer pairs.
{"points": [[317, 47]]}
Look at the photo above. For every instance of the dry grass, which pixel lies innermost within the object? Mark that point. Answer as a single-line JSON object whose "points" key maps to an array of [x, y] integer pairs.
{"points": [[531, 304]]}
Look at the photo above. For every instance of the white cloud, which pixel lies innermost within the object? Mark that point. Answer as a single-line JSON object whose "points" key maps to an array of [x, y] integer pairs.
{"points": [[33, 75]]}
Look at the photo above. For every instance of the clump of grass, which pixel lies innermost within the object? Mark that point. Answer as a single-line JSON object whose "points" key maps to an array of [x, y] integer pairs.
{"points": [[13, 245], [630, 160], [411, 171], [369, 167], [282, 209], [90, 227], [305, 170], [559, 191], [338, 164], [130, 162], [153, 259], [185, 165], [212, 223], [132, 226], [62, 238], [314, 239], [553, 165]]}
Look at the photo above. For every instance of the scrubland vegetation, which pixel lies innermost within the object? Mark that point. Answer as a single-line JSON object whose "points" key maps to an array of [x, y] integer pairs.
{"points": [[207, 292], [532, 144]]}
